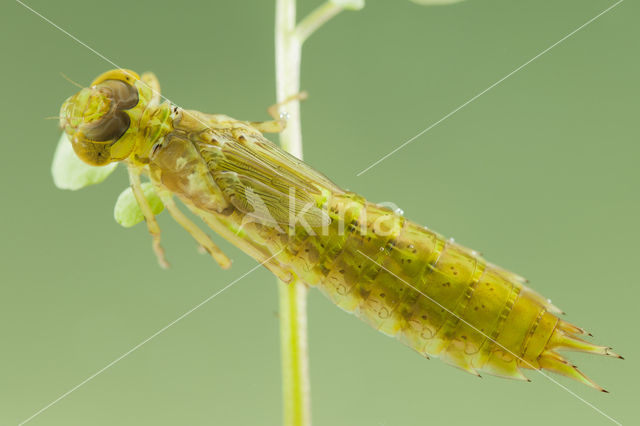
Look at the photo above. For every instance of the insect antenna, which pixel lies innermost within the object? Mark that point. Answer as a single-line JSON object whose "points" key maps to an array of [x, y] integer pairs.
{"points": [[70, 81]]}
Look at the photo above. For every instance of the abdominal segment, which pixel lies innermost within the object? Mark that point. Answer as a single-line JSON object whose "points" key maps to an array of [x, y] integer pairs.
{"points": [[435, 296]]}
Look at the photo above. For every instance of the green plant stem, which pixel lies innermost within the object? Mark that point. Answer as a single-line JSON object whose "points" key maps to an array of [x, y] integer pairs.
{"points": [[293, 296], [295, 357], [288, 52], [315, 20]]}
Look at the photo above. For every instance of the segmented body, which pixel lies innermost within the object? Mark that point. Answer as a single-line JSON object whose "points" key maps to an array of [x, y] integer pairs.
{"points": [[437, 297]]}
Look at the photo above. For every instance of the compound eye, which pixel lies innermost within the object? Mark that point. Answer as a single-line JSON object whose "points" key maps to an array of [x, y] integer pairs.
{"points": [[125, 96], [109, 128]]}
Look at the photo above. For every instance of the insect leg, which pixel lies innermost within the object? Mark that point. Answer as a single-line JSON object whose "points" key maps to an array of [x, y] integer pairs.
{"points": [[150, 218], [262, 254], [279, 121], [151, 80], [275, 126], [198, 234]]}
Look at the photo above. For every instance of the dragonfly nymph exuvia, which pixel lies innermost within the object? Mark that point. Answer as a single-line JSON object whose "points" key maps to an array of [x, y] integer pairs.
{"points": [[434, 295]]}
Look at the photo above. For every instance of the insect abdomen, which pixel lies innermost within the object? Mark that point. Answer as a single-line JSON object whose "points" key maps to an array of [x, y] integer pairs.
{"points": [[441, 299]]}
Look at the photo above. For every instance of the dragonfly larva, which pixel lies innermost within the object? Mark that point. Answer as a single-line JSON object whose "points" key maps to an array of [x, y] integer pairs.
{"points": [[434, 295]]}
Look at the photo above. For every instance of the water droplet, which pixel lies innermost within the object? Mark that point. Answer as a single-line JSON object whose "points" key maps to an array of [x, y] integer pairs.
{"points": [[452, 240], [399, 211]]}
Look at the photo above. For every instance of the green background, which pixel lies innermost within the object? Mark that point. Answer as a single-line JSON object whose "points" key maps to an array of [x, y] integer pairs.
{"points": [[540, 174]]}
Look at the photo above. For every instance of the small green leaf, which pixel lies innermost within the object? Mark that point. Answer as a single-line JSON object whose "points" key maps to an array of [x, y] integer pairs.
{"points": [[435, 2], [69, 172], [127, 212], [349, 4]]}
